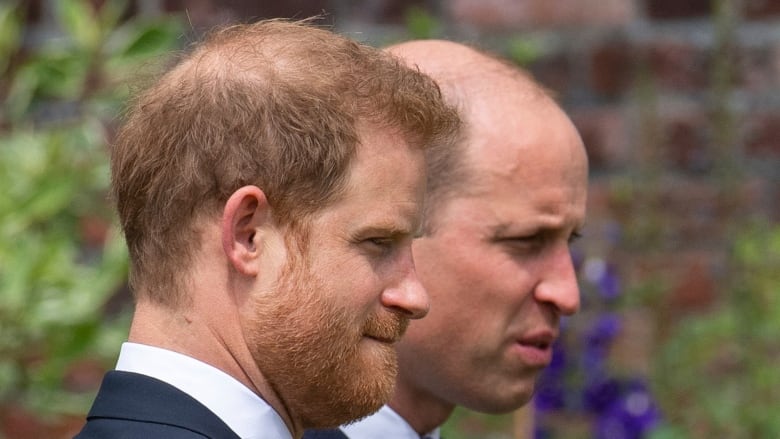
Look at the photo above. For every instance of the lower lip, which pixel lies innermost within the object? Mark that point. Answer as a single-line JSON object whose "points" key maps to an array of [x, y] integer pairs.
{"points": [[533, 356]]}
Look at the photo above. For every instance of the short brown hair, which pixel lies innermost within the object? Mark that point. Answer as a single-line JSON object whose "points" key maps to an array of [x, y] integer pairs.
{"points": [[274, 104]]}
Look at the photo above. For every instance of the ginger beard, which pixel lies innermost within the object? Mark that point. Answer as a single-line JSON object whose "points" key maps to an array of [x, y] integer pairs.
{"points": [[314, 353]]}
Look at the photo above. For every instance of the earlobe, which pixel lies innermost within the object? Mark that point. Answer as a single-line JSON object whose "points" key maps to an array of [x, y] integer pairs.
{"points": [[244, 214]]}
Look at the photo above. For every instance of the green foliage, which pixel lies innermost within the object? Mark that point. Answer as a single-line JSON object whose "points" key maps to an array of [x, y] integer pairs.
{"points": [[420, 24], [523, 50], [60, 257], [718, 373]]}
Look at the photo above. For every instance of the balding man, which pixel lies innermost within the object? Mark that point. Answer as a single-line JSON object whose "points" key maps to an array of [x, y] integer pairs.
{"points": [[504, 203], [268, 187]]}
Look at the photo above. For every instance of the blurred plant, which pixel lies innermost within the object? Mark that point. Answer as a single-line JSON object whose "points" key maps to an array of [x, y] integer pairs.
{"points": [[523, 50], [421, 24], [60, 258], [725, 376]]}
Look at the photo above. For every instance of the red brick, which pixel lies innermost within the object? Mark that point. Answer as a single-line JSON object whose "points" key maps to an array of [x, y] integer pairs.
{"points": [[633, 348], [758, 67], [684, 139], [603, 131], [554, 71], [382, 11], [83, 376], [679, 65], [695, 288], [611, 67], [760, 9], [511, 14], [676, 9], [762, 136]]}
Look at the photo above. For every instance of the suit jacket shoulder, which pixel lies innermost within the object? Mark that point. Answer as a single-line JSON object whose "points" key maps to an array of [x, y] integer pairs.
{"points": [[325, 434], [134, 406]]}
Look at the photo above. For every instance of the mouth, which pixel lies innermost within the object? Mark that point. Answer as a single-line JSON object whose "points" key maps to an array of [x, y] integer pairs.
{"points": [[540, 339], [383, 339], [387, 331], [536, 349], [543, 345]]}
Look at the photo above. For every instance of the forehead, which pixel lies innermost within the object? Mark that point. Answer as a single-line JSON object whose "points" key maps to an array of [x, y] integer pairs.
{"points": [[518, 135], [525, 157], [384, 185]]}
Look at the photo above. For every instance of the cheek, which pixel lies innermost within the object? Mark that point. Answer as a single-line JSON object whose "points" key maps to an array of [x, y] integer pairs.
{"points": [[476, 294], [351, 281]]}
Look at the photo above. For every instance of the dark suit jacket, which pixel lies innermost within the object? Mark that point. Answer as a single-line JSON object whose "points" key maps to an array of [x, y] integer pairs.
{"points": [[134, 406], [324, 434]]}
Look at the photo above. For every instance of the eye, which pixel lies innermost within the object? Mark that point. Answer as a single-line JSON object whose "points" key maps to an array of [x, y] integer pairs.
{"points": [[379, 244], [524, 243]]}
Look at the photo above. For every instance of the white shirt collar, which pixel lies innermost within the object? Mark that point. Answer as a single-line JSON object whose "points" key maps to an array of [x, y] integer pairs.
{"points": [[384, 424], [248, 415]]}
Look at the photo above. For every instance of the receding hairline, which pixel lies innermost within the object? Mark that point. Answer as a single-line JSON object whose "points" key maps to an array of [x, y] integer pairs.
{"points": [[461, 70]]}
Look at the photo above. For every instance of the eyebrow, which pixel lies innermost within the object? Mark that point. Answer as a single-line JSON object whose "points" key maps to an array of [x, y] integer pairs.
{"points": [[384, 229], [506, 228]]}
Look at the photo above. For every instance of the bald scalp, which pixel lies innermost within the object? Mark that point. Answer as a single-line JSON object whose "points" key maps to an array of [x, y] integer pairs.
{"points": [[471, 80], [460, 70]]}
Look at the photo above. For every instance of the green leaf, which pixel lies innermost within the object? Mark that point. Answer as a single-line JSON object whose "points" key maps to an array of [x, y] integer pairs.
{"points": [[10, 32], [62, 75], [421, 24], [151, 40], [21, 92], [78, 18], [111, 12], [523, 51]]}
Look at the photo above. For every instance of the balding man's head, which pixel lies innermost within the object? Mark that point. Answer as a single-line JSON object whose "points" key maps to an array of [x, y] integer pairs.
{"points": [[504, 203], [474, 82]]}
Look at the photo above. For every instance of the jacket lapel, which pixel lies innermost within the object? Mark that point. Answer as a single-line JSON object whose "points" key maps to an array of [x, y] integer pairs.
{"points": [[135, 397]]}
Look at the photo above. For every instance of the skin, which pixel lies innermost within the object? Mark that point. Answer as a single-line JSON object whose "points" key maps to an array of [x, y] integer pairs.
{"points": [[257, 303], [496, 262]]}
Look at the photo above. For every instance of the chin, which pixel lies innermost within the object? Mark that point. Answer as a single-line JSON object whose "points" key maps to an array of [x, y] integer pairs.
{"points": [[498, 404]]}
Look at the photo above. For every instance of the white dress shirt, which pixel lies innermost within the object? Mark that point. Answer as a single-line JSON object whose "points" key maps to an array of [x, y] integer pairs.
{"points": [[384, 424], [248, 415]]}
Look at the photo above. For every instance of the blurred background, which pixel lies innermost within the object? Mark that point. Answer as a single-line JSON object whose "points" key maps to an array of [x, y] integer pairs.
{"points": [[678, 103]]}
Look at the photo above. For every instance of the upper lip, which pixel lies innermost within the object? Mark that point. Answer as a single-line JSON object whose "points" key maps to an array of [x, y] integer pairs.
{"points": [[541, 338]]}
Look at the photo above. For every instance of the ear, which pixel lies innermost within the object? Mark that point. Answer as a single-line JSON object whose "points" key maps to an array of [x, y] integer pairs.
{"points": [[245, 212]]}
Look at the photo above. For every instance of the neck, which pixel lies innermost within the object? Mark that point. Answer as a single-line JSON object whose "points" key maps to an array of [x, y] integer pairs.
{"points": [[212, 338], [423, 411]]}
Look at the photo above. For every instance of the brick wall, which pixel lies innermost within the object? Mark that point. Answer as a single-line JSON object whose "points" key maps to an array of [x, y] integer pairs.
{"points": [[679, 110]]}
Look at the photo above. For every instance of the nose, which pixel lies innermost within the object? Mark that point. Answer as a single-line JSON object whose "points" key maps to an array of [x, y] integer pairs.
{"points": [[558, 283], [407, 296]]}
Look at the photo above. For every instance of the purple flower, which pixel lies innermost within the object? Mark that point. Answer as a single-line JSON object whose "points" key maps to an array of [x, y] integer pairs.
{"points": [[613, 232], [549, 398], [558, 364], [630, 416], [541, 432], [597, 341], [601, 394], [608, 283], [550, 391]]}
